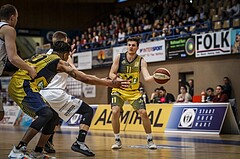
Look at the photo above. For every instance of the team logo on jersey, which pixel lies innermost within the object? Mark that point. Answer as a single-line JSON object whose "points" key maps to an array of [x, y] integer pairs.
{"points": [[40, 85], [124, 62], [187, 118], [136, 64]]}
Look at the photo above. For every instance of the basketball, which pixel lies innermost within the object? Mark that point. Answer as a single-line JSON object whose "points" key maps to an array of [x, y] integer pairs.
{"points": [[161, 75]]}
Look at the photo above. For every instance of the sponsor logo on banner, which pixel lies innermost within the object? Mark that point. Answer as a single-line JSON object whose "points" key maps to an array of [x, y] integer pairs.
{"points": [[103, 116], [152, 51], [212, 44], [180, 48], [197, 117], [102, 57], [130, 120], [187, 118]]}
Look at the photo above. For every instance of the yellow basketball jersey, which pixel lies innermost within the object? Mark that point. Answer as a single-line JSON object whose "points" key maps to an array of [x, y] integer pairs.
{"points": [[130, 70], [46, 67]]}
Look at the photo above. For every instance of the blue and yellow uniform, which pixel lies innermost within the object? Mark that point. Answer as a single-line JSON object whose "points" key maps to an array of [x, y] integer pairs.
{"points": [[25, 91], [129, 71]]}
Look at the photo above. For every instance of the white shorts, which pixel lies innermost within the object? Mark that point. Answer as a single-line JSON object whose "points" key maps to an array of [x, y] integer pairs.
{"points": [[64, 104]]}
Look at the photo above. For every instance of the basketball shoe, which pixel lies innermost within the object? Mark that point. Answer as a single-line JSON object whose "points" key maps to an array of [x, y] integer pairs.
{"points": [[49, 147], [117, 144], [17, 153], [151, 145], [82, 148]]}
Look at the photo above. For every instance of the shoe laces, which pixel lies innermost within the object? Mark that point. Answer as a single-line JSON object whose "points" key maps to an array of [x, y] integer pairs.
{"points": [[150, 142], [118, 141]]}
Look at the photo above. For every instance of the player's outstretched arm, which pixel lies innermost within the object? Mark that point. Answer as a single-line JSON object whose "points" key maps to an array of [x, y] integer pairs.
{"points": [[90, 79]]}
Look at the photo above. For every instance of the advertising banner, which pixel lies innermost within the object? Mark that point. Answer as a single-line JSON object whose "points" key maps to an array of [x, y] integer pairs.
{"points": [[130, 120], [82, 60], [158, 115], [102, 57], [10, 116], [180, 48], [235, 41], [213, 44], [203, 117], [153, 51], [102, 119]]}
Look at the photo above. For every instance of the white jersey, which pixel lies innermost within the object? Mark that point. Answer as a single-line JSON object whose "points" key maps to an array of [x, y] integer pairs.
{"points": [[64, 104], [3, 51]]}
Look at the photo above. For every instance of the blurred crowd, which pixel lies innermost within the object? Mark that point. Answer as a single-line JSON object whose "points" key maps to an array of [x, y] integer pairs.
{"points": [[154, 20]]}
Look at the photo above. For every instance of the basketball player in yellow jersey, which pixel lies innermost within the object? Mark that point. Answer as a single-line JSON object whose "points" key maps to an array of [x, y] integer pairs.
{"points": [[128, 66], [25, 92]]}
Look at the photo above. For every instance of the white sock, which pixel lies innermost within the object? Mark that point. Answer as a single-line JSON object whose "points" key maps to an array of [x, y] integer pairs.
{"points": [[117, 136], [149, 136]]}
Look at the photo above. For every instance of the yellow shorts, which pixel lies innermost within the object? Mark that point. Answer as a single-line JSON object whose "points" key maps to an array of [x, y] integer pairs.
{"points": [[119, 96]]}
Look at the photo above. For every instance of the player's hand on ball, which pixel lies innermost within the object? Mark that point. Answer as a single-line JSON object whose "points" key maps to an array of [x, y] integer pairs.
{"points": [[119, 83]]}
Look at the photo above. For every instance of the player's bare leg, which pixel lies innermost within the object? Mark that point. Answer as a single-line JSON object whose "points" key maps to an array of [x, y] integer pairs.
{"points": [[116, 127], [147, 128]]}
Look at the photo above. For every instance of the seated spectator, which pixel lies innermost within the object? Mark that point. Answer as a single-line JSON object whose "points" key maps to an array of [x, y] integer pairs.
{"points": [[165, 97], [233, 10], [220, 95], [184, 96], [144, 95], [210, 94], [155, 96]]}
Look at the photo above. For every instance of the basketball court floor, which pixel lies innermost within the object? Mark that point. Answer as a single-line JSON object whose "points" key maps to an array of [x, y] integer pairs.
{"points": [[170, 145]]}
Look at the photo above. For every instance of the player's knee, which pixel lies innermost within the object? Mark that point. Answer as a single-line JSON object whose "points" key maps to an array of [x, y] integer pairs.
{"points": [[44, 116], [115, 110], [87, 115], [50, 126], [142, 113]]}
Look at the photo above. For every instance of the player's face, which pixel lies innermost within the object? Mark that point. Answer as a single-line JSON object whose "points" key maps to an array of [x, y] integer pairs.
{"points": [[132, 47]]}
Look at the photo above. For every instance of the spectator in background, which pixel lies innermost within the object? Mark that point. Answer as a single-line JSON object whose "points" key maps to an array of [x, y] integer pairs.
{"points": [[220, 95], [184, 96], [155, 96], [236, 46], [210, 94], [165, 97], [227, 88], [233, 10], [191, 87], [144, 95]]}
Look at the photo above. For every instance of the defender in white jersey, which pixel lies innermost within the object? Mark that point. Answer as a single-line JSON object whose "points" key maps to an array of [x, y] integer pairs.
{"points": [[9, 18], [67, 105]]}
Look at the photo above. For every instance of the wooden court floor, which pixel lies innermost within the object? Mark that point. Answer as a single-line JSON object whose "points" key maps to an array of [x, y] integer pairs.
{"points": [[170, 145]]}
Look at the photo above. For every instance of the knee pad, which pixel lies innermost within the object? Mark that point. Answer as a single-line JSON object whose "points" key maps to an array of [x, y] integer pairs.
{"points": [[44, 116], [51, 124], [87, 114]]}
